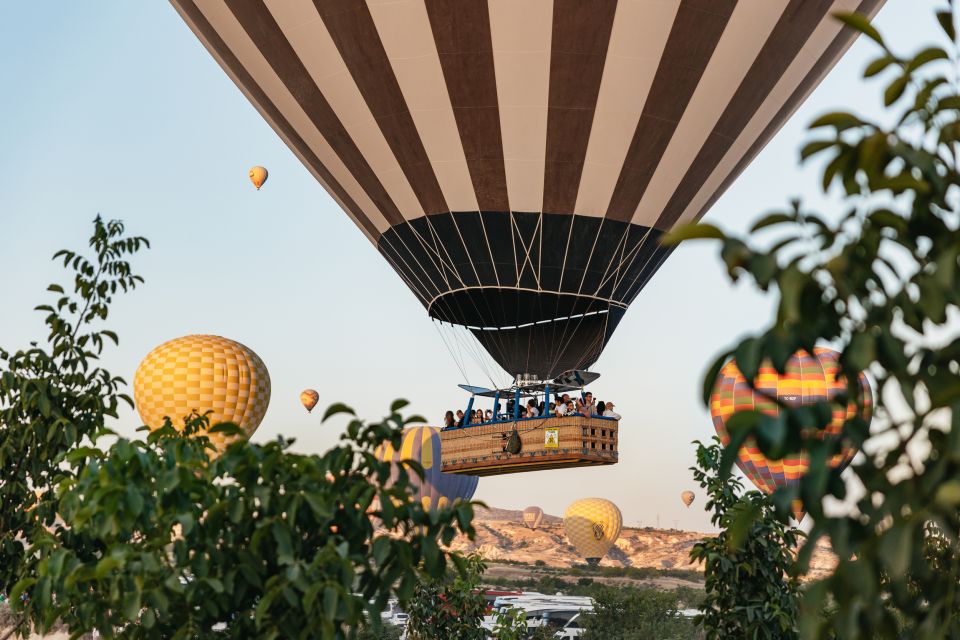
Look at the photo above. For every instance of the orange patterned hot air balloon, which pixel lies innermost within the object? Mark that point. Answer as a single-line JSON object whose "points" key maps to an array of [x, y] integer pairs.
{"points": [[258, 175], [687, 497], [309, 399], [808, 380]]}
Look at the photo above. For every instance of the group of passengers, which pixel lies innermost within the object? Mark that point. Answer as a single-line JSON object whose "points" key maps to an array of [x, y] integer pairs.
{"points": [[564, 406]]}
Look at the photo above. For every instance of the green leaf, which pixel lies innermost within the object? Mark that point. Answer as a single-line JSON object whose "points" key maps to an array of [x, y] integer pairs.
{"points": [[896, 545], [771, 433], [700, 231], [744, 515], [284, 543], [773, 219], [878, 65], [336, 409], [859, 22], [895, 89], [945, 18], [710, 379], [398, 404], [815, 147], [926, 56], [748, 355], [839, 120]]}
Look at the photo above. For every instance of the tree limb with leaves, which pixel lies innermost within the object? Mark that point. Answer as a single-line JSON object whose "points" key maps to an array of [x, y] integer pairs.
{"points": [[881, 285]]}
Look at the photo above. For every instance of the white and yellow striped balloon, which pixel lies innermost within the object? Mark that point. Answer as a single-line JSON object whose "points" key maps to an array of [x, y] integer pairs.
{"points": [[437, 490], [200, 373], [592, 526]]}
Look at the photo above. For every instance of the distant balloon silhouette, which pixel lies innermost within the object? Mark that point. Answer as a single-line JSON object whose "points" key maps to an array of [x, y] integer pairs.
{"points": [[808, 380], [309, 399], [532, 517], [687, 497], [258, 176], [592, 525]]}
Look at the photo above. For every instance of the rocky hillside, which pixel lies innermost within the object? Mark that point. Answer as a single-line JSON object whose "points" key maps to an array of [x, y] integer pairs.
{"points": [[502, 536]]}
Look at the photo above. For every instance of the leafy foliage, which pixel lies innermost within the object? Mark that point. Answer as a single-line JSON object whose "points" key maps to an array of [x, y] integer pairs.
{"points": [[635, 614], [450, 607], [161, 538], [55, 398], [749, 593], [881, 285]]}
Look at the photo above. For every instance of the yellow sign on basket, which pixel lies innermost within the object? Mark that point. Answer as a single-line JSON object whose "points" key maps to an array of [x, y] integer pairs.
{"points": [[551, 439]]}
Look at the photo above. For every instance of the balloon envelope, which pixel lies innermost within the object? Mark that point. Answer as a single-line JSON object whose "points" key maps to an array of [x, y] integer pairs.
{"points": [[518, 162], [309, 399], [258, 176], [687, 497], [592, 526], [437, 490], [808, 379], [200, 373], [532, 517]]}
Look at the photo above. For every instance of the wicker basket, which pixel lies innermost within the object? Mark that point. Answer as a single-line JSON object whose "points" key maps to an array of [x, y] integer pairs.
{"points": [[546, 443]]}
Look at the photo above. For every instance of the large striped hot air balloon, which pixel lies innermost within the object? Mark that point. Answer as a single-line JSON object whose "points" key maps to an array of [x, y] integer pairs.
{"points": [[516, 162], [532, 517], [808, 379], [437, 490], [592, 525], [201, 373]]}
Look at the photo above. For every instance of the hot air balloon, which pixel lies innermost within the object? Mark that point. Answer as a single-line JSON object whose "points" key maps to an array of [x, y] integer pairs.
{"points": [[532, 517], [808, 380], [258, 175], [517, 162], [437, 490], [203, 373], [309, 399], [687, 497], [592, 526]]}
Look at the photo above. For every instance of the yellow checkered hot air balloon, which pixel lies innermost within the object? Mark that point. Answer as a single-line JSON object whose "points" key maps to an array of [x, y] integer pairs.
{"points": [[203, 373], [592, 526], [808, 379], [437, 489]]}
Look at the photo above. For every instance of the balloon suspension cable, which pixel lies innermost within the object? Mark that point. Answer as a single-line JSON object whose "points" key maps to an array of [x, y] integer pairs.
{"points": [[459, 345]]}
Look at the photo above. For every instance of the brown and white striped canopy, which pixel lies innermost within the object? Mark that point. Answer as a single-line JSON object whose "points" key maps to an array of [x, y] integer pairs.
{"points": [[517, 160]]}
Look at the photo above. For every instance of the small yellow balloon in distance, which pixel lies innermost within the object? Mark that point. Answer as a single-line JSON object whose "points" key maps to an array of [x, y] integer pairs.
{"points": [[309, 399], [687, 497], [258, 175]]}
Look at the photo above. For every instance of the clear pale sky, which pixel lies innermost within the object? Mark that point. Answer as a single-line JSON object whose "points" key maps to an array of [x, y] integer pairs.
{"points": [[115, 108]]}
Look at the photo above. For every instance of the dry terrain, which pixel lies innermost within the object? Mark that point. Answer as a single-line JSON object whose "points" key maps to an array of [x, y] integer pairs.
{"points": [[502, 537]]}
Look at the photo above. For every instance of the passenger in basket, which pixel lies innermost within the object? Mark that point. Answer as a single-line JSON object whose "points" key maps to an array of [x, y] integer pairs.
{"points": [[488, 416], [459, 418], [571, 409], [448, 420], [561, 409], [601, 407], [586, 406], [532, 410], [610, 413]]}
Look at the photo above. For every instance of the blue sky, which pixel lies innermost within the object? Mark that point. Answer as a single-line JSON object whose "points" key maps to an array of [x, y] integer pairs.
{"points": [[115, 108]]}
